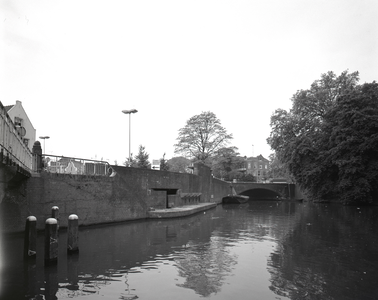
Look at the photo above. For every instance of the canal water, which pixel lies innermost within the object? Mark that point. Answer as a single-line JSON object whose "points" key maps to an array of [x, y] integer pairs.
{"points": [[258, 250]]}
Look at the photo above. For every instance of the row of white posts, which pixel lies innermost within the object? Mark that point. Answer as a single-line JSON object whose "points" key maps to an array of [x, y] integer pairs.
{"points": [[51, 236]]}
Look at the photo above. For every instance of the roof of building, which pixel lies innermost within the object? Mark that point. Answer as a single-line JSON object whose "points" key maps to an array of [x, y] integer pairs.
{"points": [[259, 157], [8, 107], [19, 103]]}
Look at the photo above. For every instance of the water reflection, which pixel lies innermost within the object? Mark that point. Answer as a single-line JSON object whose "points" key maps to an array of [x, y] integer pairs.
{"points": [[258, 250], [204, 266], [30, 275], [330, 254]]}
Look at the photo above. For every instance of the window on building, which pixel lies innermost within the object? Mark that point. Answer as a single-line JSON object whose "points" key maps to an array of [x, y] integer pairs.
{"points": [[260, 167], [266, 167], [18, 121]]}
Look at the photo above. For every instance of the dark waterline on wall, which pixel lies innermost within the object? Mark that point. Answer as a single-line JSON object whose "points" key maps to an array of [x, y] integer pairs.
{"points": [[257, 250]]}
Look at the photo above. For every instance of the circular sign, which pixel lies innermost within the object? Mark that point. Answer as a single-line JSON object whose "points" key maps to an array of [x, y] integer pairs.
{"points": [[21, 130]]}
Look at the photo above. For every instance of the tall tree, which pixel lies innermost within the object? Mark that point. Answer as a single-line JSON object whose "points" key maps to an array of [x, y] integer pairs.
{"points": [[302, 123], [164, 164], [202, 136], [130, 161], [297, 135], [142, 158], [350, 145], [227, 163]]}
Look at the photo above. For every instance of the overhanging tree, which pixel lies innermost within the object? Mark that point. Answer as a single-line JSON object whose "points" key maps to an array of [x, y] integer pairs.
{"points": [[350, 142], [277, 169], [201, 137], [299, 136]]}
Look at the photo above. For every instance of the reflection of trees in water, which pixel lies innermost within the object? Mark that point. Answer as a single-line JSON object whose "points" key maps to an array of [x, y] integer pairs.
{"points": [[205, 265], [299, 284], [259, 220], [331, 254]]}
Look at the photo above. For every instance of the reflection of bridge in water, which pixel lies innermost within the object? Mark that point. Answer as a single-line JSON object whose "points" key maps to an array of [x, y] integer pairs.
{"points": [[267, 191]]}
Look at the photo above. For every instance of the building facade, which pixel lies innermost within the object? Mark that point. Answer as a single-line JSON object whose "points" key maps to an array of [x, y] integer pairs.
{"points": [[21, 121], [258, 166]]}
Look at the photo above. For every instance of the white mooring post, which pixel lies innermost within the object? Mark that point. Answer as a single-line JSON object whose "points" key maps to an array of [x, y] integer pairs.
{"points": [[51, 241], [55, 214], [73, 234]]}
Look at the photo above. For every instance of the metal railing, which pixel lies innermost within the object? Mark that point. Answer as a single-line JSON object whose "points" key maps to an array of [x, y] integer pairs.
{"points": [[13, 151], [73, 165]]}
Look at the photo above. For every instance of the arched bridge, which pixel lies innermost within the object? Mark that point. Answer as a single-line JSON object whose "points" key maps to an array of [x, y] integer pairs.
{"points": [[267, 191]]}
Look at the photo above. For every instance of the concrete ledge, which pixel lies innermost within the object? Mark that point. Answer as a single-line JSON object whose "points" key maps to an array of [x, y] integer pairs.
{"points": [[182, 211]]}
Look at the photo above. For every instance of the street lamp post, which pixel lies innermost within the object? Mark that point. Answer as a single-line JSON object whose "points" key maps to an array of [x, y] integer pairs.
{"points": [[129, 112], [44, 139]]}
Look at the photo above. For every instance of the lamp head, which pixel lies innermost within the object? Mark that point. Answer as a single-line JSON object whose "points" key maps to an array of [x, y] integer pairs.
{"points": [[130, 111]]}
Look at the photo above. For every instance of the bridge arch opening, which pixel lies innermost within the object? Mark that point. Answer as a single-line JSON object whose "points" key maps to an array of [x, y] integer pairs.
{"points": [[261, 194]]}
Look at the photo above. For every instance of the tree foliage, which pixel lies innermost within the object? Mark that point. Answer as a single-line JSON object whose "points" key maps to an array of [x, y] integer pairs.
{"points": [[277, 169], [327, 139], [142, 158], [228, 165], [164, 166], [201, 137], [226, 162], [179, 164], [130, 161], [351, 144]]}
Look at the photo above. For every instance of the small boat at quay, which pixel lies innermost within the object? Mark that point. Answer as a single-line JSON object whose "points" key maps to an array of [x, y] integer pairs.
{"points": [[234, 198]]}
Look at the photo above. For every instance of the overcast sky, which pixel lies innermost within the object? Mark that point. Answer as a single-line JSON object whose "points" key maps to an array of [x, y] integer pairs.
{"points": [[75, 65]]}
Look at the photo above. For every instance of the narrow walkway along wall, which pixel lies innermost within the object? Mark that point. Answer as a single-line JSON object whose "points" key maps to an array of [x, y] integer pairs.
{"points": [[96, 199]]}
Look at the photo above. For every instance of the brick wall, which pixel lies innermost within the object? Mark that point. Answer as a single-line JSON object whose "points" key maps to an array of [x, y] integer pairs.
{"points": [[97, 199]]}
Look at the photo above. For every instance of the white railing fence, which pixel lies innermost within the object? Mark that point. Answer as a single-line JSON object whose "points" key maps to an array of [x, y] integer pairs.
{"points": [[73, 165]]}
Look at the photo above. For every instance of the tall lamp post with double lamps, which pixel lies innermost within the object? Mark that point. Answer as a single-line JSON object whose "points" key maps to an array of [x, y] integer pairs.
{"points": [[129, 112], [44, 138]]}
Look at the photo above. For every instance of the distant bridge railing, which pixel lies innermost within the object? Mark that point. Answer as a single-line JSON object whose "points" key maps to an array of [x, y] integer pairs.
{"points": [[13, 151], [73, 165]]}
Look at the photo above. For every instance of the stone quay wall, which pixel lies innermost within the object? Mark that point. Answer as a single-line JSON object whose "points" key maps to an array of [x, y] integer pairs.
{"points": [[129, 195]]}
